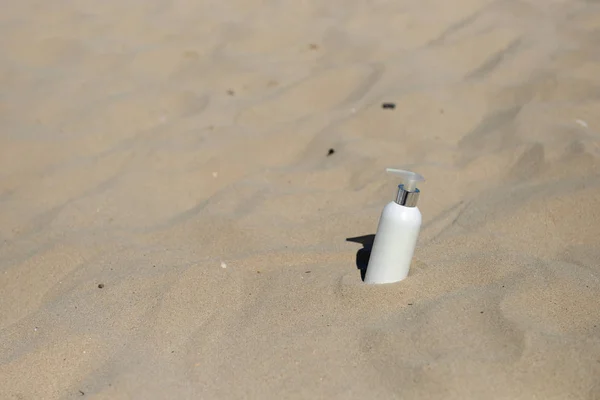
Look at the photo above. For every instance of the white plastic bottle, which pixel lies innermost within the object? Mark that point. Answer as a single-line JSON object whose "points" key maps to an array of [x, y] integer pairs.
{"points": [[397, 233]]}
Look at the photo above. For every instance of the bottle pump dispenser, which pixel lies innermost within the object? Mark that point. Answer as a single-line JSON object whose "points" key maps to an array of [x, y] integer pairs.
{"points": [[397, 232]]}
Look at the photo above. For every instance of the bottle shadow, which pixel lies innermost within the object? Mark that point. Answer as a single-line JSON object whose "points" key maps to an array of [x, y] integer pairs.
{"points": [[363, 255]]}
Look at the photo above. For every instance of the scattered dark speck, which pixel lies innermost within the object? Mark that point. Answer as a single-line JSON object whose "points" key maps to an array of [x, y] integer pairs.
{"points": [[154, 266], [410, 304], [172, 351], [330, 152], [80, 392], [313, 46], [502, 285], [480, 312], [258, 272], [307, 272], [101, 285], [441, 110], [230, 92], [388, 106]]}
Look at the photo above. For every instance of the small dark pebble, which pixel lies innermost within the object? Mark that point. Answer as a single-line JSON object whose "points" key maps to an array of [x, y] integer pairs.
{"points": [[230, 92], [81, 393], [307, 272], [100, 286], [410, 304], [388, 106], [172, 351], [480, 312], [330, 152]]}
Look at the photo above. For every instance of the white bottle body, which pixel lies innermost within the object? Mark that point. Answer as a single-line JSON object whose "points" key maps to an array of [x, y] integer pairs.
{"points": [[394, 244]]}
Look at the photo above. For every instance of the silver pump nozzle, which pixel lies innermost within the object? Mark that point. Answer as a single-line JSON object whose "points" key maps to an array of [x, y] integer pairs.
{"points": [[408, 193]]}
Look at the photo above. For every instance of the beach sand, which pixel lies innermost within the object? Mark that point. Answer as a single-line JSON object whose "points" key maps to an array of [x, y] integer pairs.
{"points": [[172, 226]]}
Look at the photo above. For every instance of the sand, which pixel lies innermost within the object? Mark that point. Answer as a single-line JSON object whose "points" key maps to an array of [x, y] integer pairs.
{"points": [[172, 226]]}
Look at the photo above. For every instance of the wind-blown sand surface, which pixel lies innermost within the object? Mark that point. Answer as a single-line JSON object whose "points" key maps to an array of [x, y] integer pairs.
{"points": [[174, 152]]}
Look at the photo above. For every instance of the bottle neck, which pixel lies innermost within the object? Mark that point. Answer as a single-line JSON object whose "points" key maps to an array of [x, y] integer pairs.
{"points": [[406, 198]]}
